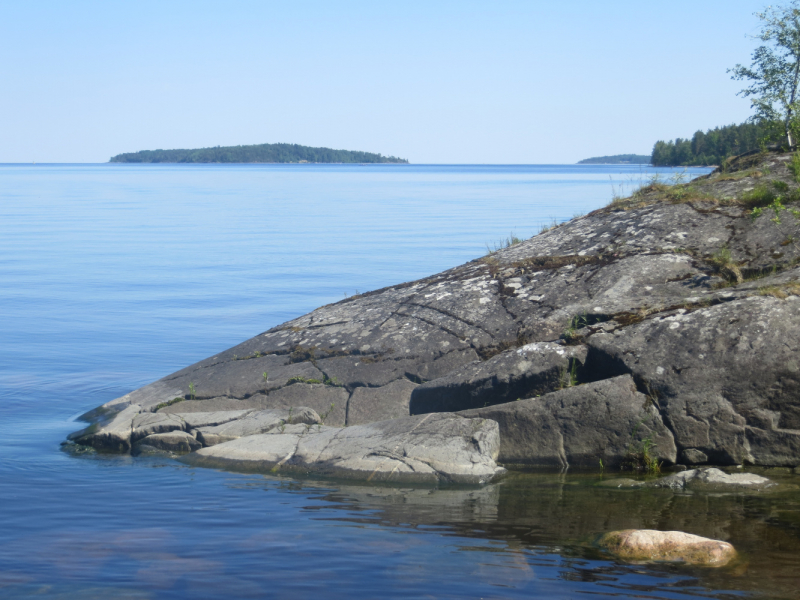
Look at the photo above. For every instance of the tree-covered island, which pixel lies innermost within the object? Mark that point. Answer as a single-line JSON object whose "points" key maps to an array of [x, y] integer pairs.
{"points": [[258, 153], [617, 159]]}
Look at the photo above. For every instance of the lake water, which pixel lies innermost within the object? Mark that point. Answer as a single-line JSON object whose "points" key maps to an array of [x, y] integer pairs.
{"points": [[116, 275]]}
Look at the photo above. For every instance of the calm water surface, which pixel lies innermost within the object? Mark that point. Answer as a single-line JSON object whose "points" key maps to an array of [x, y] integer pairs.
{"points": [[116, 275]]}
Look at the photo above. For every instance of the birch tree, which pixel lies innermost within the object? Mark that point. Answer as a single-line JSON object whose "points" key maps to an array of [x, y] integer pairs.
{"points": [[774, 72]]}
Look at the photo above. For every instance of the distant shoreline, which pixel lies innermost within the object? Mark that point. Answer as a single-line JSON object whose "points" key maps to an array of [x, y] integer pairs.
{"points": [[256, 154]]}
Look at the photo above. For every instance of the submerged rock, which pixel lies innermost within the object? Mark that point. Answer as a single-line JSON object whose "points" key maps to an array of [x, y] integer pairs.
{"points": [[648, 545], [713, 480], [427, 449]]}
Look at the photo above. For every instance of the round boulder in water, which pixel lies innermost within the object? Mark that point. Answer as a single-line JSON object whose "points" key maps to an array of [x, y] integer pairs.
{"points": [[649, 545]]}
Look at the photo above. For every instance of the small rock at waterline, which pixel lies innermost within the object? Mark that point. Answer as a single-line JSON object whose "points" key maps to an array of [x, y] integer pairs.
{"points": [[667, 546]]}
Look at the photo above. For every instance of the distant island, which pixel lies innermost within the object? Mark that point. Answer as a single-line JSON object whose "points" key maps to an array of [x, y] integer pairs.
{"points": [[617, 159], [260, 153]]}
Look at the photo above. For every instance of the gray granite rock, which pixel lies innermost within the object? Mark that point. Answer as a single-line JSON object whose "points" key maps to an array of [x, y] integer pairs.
{"points": [[726, 377], [193, 420], [111, 435], [712, 480], [176, 442], [330, 402], [255, 422], [425, 449], [390, 401], [211, 405], [148, 423], [532, 370], [580, 426]]}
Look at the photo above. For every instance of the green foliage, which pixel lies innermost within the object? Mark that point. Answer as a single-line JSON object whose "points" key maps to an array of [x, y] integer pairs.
{"points": [[577, 322], [168, 403], [777, 207], [794, 166], [761, 195], [726, 266], [324, 415], [773, 74], [299, 379], [569, 375], [261, 153], [331, 381], [640, 455], [191, 391], [511, 240], [713, 146]]}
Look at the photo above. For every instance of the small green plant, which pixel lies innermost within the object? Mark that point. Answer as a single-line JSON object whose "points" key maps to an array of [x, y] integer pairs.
{"points": [[777, 207], [511, 240], [602, 467], [780, 291], [545, 228], [639, 456], [794, 166], [300, 379], [758, 196], [568, 375], [266, 378], [291, 412], [324, 415], [282, 425], [577, 322], [168, 403], [331, 381], [191, 391], [781, 186], [726, 266]]}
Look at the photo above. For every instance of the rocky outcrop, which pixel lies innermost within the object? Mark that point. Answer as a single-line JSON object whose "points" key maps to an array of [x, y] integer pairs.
{"points": [[176, 442], [649, 545], [428, 449], [594, 425], [683, 290], [532, 370], [253, 423]]}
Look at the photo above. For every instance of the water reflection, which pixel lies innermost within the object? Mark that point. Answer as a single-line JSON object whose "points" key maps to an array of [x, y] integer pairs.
{"points": [[205, 534], [530, 515]]}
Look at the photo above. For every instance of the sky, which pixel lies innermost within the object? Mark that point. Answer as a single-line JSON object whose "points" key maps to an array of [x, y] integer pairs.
{"points": [[493, 82]]}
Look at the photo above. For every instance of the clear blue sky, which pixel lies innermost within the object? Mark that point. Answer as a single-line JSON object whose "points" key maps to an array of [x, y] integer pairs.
{"points": [[434, 82]]}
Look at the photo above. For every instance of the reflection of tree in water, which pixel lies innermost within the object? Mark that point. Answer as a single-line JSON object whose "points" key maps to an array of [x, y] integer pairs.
{"points": [[551, 520]]}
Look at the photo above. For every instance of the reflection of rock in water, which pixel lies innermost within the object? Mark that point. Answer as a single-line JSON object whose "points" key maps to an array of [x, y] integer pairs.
{"points": [[403, 506], [540, 514]]}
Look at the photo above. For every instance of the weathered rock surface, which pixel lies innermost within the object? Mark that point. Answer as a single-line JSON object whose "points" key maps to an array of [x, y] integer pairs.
{"points": [[681, 289], [112, 435], [649, 545], [178, 442], [429, 449], [580, 426], [145, 424], [255, 422], [531, 370], [368, 405], [712, 480]]}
